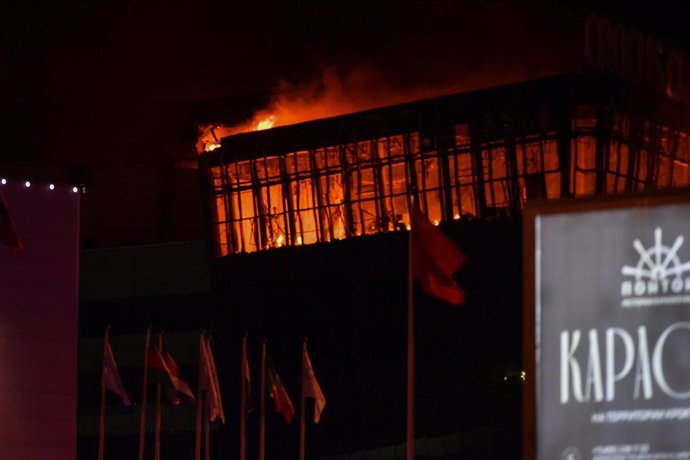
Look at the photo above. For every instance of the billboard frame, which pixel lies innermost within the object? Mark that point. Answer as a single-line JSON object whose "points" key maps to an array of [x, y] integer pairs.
{"points": [[529, 351]]}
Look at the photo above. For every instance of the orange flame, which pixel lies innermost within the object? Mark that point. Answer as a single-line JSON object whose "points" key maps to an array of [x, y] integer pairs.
{"points": [[331, 95], [266, 123]]}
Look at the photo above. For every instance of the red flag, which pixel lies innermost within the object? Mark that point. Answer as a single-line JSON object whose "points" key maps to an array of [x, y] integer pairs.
{"points": [[8, 234], [434, 260], [111, 377], [277, 391], [310, 386]]}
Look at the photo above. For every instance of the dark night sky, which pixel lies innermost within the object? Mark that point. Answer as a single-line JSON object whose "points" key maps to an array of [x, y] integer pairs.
{"points": [[107, 92]]}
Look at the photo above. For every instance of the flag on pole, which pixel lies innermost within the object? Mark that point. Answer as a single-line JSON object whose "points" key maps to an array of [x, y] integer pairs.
{"points": [[435, 258], [277, 391], [164, 371], [310, 386], [111, 377], [247, 379], [8, 234], [209, 381]]}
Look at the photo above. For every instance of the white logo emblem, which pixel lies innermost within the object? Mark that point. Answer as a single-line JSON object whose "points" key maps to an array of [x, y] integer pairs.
{"points": [[658, 272], [571, 453]]}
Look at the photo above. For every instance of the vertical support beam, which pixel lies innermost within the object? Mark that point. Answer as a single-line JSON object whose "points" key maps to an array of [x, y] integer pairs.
{"points": [[384, 216], [603, 133], [564, 137], [291, 219], [634, 143], [515, 195], [260, 210], [477, 169], [227, 203], [347, 191], [412, 187], [239, 199], [444, 143]]}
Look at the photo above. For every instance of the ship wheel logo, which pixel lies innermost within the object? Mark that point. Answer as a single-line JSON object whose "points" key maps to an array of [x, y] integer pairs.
{"points": [[657, 262]]}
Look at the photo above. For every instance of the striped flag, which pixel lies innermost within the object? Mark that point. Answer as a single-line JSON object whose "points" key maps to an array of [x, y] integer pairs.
{"points": [[209, 381], [164, 371]]}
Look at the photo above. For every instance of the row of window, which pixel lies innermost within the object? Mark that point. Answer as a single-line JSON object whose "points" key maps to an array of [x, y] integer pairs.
{"points": [[362, 188]]}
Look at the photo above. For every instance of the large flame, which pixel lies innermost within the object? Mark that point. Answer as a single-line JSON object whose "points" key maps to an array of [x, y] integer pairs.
{"points": [[334, 94], [328, 96]]}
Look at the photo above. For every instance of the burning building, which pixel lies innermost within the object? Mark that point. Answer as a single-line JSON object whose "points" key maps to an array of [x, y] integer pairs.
{"points": [[308, 224], [307, 221], [479, 155]]}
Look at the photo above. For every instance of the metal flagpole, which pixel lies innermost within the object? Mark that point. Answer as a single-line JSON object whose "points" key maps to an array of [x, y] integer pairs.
{"points": [[409, 455], [262, 406], [243, 402], [302, 408], [157, 434], [144, 398], [101, 424], [207, 433], [200, 401]]}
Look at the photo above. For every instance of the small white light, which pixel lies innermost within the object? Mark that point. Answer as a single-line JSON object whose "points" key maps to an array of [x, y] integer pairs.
{"points": [[3, 181], [27, 184], [409, 227], [436, 222], [456, 217], [75, 189], [51, 186]]}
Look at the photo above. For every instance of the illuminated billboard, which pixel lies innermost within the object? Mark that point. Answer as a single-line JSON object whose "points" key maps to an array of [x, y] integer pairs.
{"points": [[608, 330]]}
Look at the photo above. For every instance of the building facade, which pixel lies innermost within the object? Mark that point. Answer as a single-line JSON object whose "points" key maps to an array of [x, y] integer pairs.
{"points": [[477, 155]]}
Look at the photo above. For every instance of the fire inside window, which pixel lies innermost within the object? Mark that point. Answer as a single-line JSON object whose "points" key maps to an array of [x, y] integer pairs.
{"points": [[358, 188]]}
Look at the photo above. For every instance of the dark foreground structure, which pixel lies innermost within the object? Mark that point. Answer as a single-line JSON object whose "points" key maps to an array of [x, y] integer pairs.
{"points": [[308, 229]]}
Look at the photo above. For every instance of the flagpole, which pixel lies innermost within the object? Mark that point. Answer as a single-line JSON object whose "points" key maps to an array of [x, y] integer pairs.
{"points": [[409, 455], [101, 424], [207, 435], [197, 441], [262, 402], [144, 398], [302, 408], [157, 435], [243, 402]]}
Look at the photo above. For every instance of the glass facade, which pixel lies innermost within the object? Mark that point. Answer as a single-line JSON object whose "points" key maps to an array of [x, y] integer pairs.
{"points": [[458, 168]]}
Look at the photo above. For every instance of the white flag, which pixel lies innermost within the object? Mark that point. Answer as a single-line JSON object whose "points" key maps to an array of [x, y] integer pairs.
{"points": [[310, 386]]}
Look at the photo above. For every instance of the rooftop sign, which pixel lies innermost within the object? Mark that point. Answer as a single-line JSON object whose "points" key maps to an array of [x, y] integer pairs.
{"points": [[616, 50]]}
